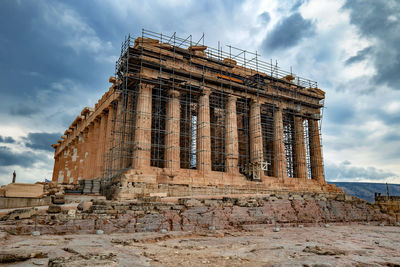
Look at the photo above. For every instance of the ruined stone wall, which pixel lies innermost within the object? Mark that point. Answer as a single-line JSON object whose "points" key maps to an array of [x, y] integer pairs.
{"points": [[79, 154], [189, 214], [389, 205]]}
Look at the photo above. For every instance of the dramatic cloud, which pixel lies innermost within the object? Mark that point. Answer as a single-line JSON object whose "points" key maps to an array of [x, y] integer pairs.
{"points": [[361, 55], [56, 58], [42, 141], [24, 110], [9, 158], [6, 139], [289, 32], [379, 22]]}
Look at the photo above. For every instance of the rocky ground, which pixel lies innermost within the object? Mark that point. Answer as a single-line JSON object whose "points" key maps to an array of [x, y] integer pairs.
{"points": [[259, 245]]}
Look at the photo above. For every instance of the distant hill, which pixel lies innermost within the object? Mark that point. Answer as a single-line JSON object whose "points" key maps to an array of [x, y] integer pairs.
{"points": [[367, 190]]}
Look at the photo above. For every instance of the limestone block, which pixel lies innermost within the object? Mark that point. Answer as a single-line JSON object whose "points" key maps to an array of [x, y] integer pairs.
{"points": [[297, 197], [71, 213], [211, 202], [24, 190], [160, 194], [192, 202], [18, 214], [84, 205]]}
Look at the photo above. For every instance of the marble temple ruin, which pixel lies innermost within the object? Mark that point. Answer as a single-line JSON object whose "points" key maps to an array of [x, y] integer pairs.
{"points": [[181, 118]]}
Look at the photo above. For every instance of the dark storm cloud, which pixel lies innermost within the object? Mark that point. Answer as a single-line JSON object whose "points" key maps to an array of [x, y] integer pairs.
{"points": [[7, 139], [361, 55], [24, 110], [380, 21], [8, 158], [289, 32], [42, 141], [345, 171], [44, 43]]}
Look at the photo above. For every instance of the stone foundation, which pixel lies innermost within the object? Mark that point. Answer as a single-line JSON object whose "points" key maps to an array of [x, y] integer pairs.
{"points": [[190, 214], [133, 185]]}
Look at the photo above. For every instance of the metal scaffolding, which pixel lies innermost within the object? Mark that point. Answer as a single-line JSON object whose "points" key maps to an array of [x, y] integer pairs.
{"points": [[259, 78]]}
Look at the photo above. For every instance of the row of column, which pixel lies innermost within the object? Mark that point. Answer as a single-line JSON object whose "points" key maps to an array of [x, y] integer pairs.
{"points": [[84, 157], [142, 147]]}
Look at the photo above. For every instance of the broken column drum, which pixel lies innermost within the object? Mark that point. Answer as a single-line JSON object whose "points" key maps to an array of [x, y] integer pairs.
{"points": [[183, 118]]}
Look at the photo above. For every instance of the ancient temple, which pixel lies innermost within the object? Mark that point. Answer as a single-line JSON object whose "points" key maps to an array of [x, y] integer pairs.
{"points": [[181, 118]]}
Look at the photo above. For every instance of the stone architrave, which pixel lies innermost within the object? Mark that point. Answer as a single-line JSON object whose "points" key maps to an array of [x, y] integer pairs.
{"points": [[172, 132], [203, 133], [300, 165], [317, 168], [231, 136], [279, 161], [142, 139]]}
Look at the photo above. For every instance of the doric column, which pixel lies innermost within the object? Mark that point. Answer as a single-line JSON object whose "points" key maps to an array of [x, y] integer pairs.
{"points": [[68, 163], [55, 169], [172, 132], [101, 144], [142, 140], [118, 150], [108, 137], [92, 148], [231, 136], [203, 133], [256, 142], [85, 153], [317, 168], [75, 161], [300, 166], [61, 166], [62, 170], [96, 148], [58, 167], [279, 162], [81, 156], [88, 154]]}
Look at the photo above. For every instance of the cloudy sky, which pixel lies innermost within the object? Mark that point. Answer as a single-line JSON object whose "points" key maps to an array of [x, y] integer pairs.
{"points": [[56, 57]]}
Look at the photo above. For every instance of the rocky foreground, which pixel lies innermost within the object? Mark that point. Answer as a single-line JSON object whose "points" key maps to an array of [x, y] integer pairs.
{"points": [[258, 230], [191, 214], [259, 245]]}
